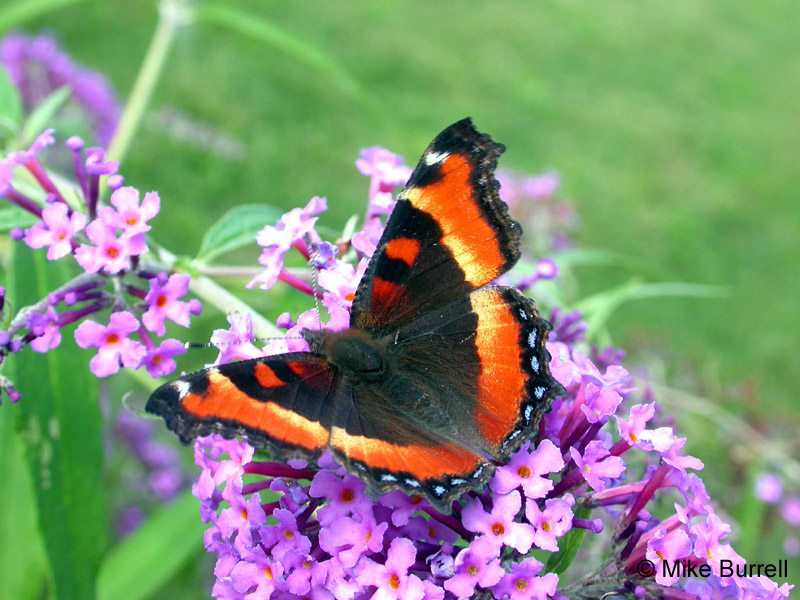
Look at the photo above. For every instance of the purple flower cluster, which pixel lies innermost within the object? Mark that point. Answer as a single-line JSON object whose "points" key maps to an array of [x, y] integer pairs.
{"points": [[107, 242], [300, 530], [38, 67]]}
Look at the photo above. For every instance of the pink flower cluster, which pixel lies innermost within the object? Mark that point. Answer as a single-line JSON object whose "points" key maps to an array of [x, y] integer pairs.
{"points": [[107, 242]]}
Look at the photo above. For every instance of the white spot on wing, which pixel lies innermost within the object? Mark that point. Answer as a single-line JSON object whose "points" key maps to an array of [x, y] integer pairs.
{"points": [[528, 411], [539, 392], [439, 490], [411, 483], [535, 364], [388, 477], [182, 387], [532, 339], [433, 158], [523, 314], [458, 481]]}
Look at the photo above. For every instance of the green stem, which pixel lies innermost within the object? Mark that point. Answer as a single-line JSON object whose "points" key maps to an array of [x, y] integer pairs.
{"points": [[171, 15], [217, 295]]}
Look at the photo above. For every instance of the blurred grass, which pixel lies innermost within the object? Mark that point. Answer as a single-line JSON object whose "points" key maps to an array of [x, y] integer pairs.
{"points": [[674, 127]]}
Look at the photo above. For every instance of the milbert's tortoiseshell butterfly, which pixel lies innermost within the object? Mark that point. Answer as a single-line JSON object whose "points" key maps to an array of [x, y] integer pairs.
{"points": [[440, 374]]}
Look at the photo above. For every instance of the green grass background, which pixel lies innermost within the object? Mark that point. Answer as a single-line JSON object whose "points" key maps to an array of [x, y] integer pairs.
{"points": [[674, 126]]}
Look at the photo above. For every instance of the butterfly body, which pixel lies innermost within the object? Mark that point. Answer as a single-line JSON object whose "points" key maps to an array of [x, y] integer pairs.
{"points": [[440, 374]]}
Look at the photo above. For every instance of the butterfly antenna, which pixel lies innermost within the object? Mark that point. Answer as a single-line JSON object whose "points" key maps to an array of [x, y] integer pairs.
{"points": [[315, 288]]}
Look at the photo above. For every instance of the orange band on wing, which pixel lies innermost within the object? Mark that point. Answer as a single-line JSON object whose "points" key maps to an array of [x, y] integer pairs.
{"points": [[405, 249], [466, 232], [422, 462], [501, 385], [223, 400]]}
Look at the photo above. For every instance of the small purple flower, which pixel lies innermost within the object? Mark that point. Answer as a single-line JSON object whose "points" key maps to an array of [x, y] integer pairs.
{"points": [[164, 301], [158, 361], [129, 216], [235, 343], [769, 488], [55, 230], [286, 535], [112, 343], [499, 525], [681, 463], [292, 227], [601, 402], [552, 522], [667, 548], [522, 582], [256, 575], [634, 433], [345, 496], [790, 510], [708, 536], [392, 578], [596, 463], [477, 565], [324, 255], [349, 539], [110, 253], [341, 282], [42, 141], [46, 329], [526, 468], [386, 171]]}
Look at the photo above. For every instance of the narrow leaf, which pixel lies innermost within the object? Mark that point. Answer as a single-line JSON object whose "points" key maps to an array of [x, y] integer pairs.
{"points": [[568, 545], [23, 567], [236, 228], [43, 114], [151, 556], [10, 103], [61, 426], [260, 29], [599, 307]]}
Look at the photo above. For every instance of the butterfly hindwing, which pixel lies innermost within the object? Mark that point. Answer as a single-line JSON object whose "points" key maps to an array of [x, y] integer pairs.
{"points": [[468, 384], [448, 234], [282, 403]]}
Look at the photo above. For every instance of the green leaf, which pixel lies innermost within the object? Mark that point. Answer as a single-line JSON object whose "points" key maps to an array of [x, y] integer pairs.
{"points": [[15, 217], [151, 556], [568, 545], [599, 307], [236, 228], [43, 114], [23, 567], [266, 31], [14, 14], [10, 103], [61, 426]]}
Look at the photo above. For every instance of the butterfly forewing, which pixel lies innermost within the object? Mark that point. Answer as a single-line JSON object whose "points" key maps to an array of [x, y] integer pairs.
{"points": [[281, 403], [449, 234]]}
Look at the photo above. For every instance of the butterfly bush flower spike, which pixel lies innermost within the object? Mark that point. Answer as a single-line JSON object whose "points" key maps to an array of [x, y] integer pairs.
{"points": [[326, 533]]}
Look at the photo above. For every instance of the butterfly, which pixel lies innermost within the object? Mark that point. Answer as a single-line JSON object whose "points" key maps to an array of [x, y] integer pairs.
{"points": [[440, 375]]}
